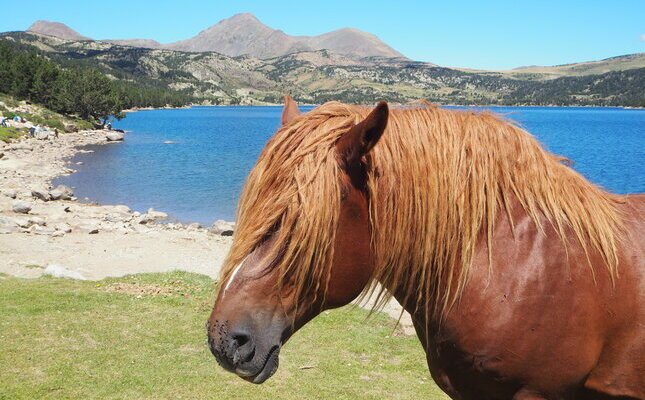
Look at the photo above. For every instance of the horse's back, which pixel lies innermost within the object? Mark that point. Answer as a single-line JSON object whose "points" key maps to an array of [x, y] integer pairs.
{"points": [[621, 367]]}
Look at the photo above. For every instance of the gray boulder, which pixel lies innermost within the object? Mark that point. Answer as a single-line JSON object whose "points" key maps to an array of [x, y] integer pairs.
{"points": [[21, 206], [41, 194], [221, 227], [61, 192], [152, 215], [114, 136]]}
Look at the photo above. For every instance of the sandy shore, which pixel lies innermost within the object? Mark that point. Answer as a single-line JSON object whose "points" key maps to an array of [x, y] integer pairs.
{"points": [[92, 240]]}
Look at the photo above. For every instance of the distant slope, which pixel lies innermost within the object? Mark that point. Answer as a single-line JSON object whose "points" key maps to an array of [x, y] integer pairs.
{"points": [[619, 63], [56, 29], [144, 43], [244, 34], [534, 72], [318, 76]]}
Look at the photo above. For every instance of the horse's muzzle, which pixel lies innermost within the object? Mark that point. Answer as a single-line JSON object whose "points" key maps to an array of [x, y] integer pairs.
{"points": [[237, 351]]}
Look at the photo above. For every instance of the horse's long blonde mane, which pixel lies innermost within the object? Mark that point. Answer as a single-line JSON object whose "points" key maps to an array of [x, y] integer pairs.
{"points": [[438, 179]]}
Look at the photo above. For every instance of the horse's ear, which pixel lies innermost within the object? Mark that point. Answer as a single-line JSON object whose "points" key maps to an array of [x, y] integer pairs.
{"points": [[353, 145], [290, 110]]}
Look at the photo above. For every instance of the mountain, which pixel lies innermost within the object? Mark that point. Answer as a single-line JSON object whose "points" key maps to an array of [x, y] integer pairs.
{"points": [[244, 34], [56, 29], [315, 77]]}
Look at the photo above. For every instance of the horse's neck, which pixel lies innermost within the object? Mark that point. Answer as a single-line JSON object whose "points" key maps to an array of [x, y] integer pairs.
{"points": [[512, 225]]}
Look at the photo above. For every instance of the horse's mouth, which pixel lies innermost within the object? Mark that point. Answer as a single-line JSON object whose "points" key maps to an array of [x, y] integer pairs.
{"points": [[269, 367]]}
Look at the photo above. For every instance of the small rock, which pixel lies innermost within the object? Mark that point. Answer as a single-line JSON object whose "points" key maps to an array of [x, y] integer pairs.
{"points": [[122, 209], [12, 193], [63, 227], [61, 192], [90, 229], [21, 206], [41, 230], [136, 214], [220, 226], [1, 155], [37, 221], [41, 194], [194, 226], [58, 234], [22, 222], [227, 233], [152, 215], [114, 136], [113, 218]]}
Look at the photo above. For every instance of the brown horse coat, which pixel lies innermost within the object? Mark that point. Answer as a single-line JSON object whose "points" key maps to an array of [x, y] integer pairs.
{"points": [[524, 281]]}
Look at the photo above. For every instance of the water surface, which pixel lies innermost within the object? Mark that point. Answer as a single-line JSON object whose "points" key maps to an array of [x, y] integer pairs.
{"points": [[199, 178]]}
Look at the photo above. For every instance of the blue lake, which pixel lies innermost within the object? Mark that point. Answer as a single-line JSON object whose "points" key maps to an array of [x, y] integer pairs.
{"points": [[199, 178]]}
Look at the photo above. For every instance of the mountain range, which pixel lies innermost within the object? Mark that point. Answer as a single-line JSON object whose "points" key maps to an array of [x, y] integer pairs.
{"points": [[315, 77], [244, 35]]}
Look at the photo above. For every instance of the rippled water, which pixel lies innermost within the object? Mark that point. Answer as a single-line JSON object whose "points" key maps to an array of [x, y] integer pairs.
{"points": [[199, 177]]}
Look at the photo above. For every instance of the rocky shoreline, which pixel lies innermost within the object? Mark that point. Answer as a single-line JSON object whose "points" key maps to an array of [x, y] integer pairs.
{"points": [[42, 226]]}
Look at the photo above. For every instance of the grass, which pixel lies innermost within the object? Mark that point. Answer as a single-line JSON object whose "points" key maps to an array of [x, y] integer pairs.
{"points": [[9, 134], [34, 266], [143, 337]]}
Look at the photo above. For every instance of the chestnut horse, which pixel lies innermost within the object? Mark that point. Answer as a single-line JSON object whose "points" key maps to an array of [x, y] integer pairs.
{"points": [[524, 281]]}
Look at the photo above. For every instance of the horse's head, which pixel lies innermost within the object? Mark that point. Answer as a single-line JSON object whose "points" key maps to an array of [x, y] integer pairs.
{"points": [[316, 253]]}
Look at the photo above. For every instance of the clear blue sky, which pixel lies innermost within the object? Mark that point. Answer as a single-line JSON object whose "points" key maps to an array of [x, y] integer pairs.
{"points": [[463, 33]]}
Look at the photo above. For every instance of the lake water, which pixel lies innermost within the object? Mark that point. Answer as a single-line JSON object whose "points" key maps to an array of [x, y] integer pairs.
{"points": [[199, 178]]}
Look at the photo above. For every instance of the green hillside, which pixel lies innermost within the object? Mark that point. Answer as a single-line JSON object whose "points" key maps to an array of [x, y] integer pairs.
{"points": [[316, 77]]}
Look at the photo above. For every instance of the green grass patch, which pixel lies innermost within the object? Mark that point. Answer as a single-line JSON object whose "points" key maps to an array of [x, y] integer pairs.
{"points": [[49, 120], [34, 266], [143, 336], [9, 134]]}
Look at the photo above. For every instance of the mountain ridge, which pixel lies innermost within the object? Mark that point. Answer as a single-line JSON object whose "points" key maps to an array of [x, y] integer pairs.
{"points": [[245, 34], [315, 77]]}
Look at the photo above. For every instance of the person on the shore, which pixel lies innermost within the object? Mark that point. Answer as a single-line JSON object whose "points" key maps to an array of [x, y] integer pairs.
{"points": [[3, 122], [32, 131], [38, 129], [56, 133], [16, 118]]}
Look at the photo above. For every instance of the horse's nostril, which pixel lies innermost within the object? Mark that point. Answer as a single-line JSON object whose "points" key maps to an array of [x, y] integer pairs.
{"points": [[241, 339], [244, 348]]}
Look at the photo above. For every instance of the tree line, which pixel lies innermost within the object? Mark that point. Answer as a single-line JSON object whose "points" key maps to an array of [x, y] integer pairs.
{"points": [[81, 91]]}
